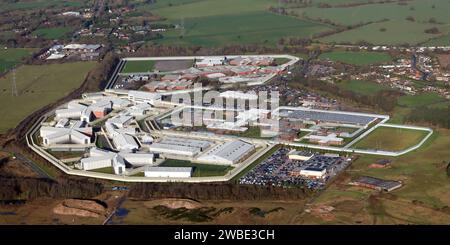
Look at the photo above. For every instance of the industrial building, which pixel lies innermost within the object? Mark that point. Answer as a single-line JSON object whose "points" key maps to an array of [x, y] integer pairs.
{"points": [[168, 172], [227, 153], [310, 116], [179, 146], [377, 184]]}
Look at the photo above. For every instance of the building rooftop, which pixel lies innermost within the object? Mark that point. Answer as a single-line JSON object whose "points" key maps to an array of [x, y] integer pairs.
{"points": [[168, 169]]}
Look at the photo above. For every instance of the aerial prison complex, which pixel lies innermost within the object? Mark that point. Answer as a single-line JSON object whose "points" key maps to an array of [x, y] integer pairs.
{"points": [[137, 135], [105, 129]]}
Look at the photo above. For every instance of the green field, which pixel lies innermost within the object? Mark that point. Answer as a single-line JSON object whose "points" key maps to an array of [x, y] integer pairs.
{"points": [[357, 58], [38, 4], [396, 33], [239, 29], [37, 86], [442, 40], [421, 10], [361, 87], [217, 22], [138, 66], [200, 170], [390, 16], [53, 33], [407, 103], [204, 8], [12, 56], [391, 139], [424, 99]]}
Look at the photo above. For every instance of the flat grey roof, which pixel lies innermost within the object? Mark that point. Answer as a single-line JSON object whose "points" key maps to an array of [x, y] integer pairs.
{"points": [[168, 169], [326, 116]]}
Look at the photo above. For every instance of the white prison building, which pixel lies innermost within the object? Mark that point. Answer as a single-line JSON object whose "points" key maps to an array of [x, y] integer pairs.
{"points": [[168, 172]]}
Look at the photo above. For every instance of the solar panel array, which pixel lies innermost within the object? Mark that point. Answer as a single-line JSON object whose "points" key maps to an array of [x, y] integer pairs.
{"points": [[308, 115]]}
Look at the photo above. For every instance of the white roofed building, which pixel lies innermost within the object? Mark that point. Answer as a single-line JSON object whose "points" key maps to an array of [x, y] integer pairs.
{"points": [[144, 97], [179, 146], [168, 172], [125, 142], [227, 153]]}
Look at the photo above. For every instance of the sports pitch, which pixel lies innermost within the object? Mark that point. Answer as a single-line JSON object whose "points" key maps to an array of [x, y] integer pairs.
{"points": [[391, 139]]}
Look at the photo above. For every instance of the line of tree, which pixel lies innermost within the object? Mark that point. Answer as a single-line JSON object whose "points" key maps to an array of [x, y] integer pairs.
{"points": [[13, 188], [214, 191]]}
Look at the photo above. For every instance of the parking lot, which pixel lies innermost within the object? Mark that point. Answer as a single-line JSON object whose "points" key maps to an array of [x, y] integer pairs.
{"points": [[278, 168]]}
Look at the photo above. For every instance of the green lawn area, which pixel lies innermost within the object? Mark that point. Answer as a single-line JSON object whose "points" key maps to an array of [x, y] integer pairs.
{"points": [[138, 66], [66, 154], [12, 56], [252, 132], [107, 170], [391, 139], [240, 29], [200, 170], [37, 86], [357, 58], [53, 33], [346, 129], [423, 99], [361, 87]]}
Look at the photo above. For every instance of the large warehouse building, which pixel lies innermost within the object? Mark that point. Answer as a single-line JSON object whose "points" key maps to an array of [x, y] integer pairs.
{"points": [[314, 116], [227, 153], [180, 146]]}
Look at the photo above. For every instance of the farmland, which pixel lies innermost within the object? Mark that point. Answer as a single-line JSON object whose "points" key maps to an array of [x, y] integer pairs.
{"points": [[37, 86], [228, 29], [215, 22], [11, 57], [422, 11], [395, 33], [388, 17], [391, 139], [53, 33], [357, 58]]}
